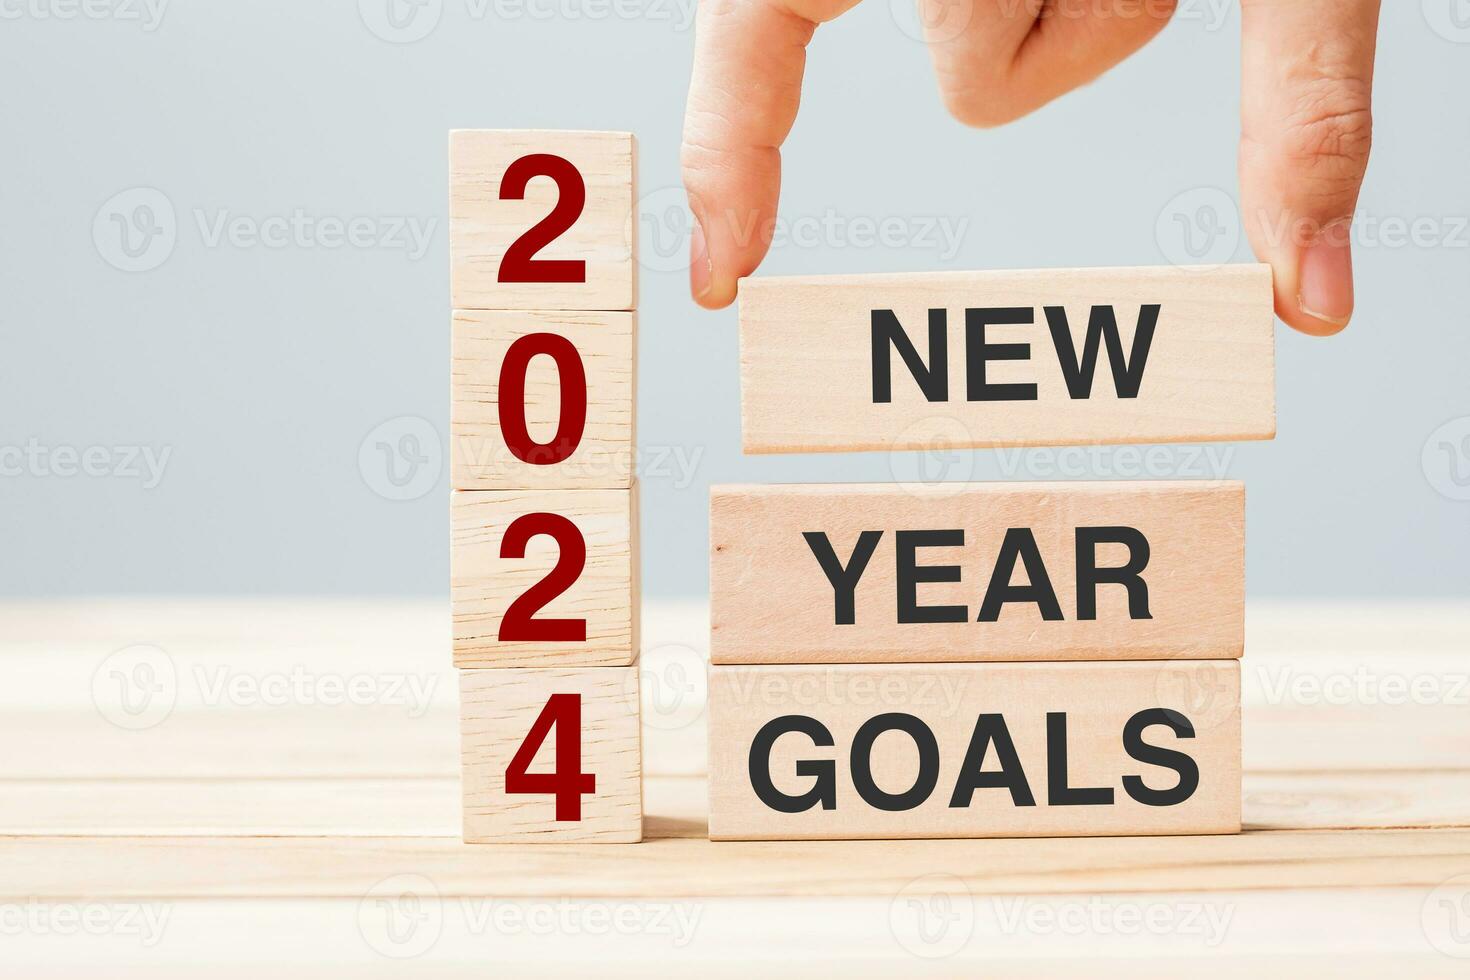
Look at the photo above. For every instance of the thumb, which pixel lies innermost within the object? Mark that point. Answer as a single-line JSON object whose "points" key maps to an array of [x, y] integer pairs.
{"points": [[1306, 118]]}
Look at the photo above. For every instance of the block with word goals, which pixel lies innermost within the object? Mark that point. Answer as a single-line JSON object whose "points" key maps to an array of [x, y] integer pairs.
{"points": [[544, 505], [987, 659]]}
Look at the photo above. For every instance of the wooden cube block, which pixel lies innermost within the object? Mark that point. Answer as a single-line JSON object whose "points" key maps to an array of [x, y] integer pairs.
{"points": [[543, 578], [551, 755], [974, 750], [852, 573], [542, 220], [975, 359], [542, 399]]}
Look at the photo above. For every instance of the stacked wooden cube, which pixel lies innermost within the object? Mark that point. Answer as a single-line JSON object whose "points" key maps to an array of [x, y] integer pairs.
{"points": [[986, 660], [544, 506]]}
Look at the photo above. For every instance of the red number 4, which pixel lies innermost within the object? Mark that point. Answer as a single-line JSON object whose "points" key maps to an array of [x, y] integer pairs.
{"points": [[567, 782]]}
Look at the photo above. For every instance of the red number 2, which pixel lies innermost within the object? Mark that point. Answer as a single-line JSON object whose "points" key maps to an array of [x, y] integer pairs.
{"points": [[567, 782], [519, 263], [517, 623], [511, 399]]}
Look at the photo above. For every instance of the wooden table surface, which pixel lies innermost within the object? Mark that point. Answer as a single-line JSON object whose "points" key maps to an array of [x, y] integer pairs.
{"points": [[229, 787]]}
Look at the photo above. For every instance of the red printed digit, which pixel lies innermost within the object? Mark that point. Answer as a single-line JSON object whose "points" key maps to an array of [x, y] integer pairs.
{"points": [[567, 782], [517, 623], [519, 263], [512, 399]]}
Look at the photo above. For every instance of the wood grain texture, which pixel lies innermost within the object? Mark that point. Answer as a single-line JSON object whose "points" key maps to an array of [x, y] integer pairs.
{"points": [[279, 867], [483, 584], [772, 602], [482, 226], [807, 369], [1349, 934], [400, 805], [1098, 699], [497, 710], [264, 857], [604, 456]]}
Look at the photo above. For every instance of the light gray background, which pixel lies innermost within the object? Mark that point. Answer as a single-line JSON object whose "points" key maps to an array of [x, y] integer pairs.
{"points": [[262, 370]]}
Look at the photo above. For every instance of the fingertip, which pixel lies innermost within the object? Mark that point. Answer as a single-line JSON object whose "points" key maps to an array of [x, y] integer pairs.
{"points": [[1324, 283], [701, 273], [1308, 323]]}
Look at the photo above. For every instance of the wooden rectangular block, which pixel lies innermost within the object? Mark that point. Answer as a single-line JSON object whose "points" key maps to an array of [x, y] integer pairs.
{"points": [[978, 359], [551, 755], [854, 573], [974, 750], [542, 220], [569, 404], [544, 578]]}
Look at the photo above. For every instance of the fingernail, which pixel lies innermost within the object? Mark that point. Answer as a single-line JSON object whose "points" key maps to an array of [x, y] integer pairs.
{"points": [[1326, 285], [701, 272]]}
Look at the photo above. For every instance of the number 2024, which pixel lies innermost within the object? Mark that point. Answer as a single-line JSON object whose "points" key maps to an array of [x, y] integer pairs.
{"points": [[566, 783]]}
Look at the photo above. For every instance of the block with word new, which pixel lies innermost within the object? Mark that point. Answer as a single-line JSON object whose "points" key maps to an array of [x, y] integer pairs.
{"points": [[544, 577], [980, 359], [877, 573], [551, 754], [974, 750], [542, 399], [542, 220]]}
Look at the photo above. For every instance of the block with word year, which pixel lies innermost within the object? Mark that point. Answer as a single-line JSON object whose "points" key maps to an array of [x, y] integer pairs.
{"points": [[876, 573], [551, 754], [978, 359], [542, 399], [542, 220], [544, 577], [974, 750]]}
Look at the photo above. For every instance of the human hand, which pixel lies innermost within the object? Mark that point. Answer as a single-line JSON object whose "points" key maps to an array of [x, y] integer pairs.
{"points": [[1306, 123]]}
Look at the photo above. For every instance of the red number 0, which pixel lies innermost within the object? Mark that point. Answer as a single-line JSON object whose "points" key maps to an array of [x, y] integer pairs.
{"points": [[567, 782], [512, 399], [517, 623], [519, 263]]}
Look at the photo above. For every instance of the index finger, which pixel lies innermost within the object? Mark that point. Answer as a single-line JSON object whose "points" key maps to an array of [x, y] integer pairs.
{"points": [[749, 56]]}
